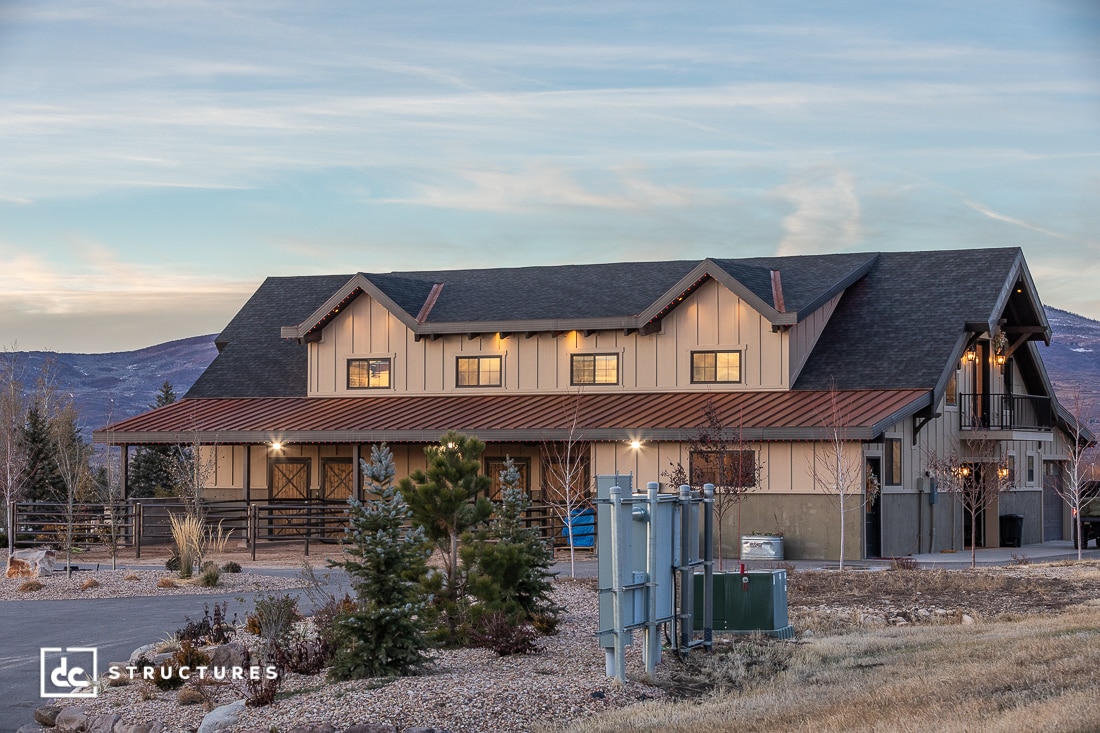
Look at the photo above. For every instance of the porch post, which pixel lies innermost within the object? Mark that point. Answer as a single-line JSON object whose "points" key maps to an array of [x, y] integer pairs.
{"points": [[356, 474], [124, 471], [247, 473]]}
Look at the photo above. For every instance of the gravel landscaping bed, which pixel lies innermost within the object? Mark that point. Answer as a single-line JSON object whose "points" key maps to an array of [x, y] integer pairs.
{"points": [[129, 583], [462, 690]]}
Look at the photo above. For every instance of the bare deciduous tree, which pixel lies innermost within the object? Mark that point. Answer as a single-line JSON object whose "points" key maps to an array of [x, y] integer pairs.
{"points": [[720, 456], [1079, 468], [837, 464], [977, 478], [566, 476], [71, 454], [14, 460]]}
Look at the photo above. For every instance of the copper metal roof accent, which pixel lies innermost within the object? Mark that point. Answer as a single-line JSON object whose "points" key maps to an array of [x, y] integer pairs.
{"points": [[535, 417]]}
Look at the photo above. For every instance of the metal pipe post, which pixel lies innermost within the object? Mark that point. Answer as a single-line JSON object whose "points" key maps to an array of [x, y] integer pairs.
{"points": [[652, 637], [617, 584], [708, 566], [687, 579]]}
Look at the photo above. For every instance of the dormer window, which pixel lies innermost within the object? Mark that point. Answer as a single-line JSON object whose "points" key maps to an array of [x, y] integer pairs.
{"points": [[478, 371], [594, 369], [715, 367], [369, 373]]}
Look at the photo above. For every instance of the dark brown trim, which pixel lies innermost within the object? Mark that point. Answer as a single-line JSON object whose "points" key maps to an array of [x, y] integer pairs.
{"points": [[573, 372], [500, 371], [389, 370], [740, 366]]}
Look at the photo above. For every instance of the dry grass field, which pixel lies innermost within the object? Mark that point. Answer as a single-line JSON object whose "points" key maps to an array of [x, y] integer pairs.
{"points": [[1030, 661]]}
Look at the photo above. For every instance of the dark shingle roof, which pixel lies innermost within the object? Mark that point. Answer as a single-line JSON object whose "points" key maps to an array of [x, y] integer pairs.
{"points": [[539, 293], [897, 327], [253, 361]]}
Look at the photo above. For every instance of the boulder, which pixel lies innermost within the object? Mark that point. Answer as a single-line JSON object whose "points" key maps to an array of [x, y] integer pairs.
{"points": [[148, 651], [101, 723], [47, 715], [31, 728], [71, 719], [222, 717], [154, 727], [233, 654], [31, 563]]}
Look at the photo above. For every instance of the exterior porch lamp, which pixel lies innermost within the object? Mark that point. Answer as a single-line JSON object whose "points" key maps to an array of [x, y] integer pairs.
{"points": [[1002, 473], [1000, 359], [971, 354]]}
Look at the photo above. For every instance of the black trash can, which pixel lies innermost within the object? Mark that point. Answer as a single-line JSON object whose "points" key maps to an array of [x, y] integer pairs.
{"points": [[1012, 530]]}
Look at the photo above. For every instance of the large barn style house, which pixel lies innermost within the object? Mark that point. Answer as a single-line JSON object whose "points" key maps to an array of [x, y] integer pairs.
{"points": [[926, 353]]}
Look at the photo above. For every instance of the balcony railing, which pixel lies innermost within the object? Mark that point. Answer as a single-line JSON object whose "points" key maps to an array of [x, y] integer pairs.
{"points": [[1004, 412]]}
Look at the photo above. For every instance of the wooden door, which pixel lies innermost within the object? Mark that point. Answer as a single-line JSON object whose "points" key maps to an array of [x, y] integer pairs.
{"points": [[288, 482]]}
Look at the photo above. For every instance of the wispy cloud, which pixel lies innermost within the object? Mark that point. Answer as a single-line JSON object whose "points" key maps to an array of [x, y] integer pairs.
{"points": [[985, 210], [826, 216]]}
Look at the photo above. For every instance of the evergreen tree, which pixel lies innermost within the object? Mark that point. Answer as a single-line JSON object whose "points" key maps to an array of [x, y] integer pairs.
{"points": [[153, 468], [44, 482], [448, 500], [508, 565], [387, 562]]}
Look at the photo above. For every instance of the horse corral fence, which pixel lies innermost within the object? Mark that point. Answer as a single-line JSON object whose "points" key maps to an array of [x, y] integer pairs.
{"points": [[148, 522]]}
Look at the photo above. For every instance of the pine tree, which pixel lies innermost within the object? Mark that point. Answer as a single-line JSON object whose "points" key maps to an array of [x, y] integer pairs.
{"points": [[387, 562], [44, 482], [153, 468], [448, 500], [508, 564]]}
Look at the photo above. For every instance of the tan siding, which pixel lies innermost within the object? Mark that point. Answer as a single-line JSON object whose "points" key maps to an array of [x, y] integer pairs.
{"points": [[711, 318]]}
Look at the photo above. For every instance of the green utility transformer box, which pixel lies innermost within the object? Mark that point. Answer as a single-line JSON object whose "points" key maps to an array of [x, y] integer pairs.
{"points": [[746, 602]]}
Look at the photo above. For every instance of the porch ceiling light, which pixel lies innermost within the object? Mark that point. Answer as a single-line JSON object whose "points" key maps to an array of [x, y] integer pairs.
{"points": [[635, 444], [276, 445]]}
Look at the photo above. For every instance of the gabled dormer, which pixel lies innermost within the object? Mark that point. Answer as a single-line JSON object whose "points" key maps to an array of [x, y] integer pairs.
{"points": [[714, 324]]}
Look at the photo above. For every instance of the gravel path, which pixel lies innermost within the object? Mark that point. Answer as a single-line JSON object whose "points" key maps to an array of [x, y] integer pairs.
{"points": [[467, 690]]}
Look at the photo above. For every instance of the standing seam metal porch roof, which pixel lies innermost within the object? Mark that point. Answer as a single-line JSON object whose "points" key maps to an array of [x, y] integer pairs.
{"points": [[771, 415]]}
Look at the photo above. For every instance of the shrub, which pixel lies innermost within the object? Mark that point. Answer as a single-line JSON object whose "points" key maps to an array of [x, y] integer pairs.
{"points": [[30, 586], [274, 620], [508, 565], [89, 583], [212, 628], [187, 533], [499, 632], [904, 563], [172, 564], [132, 576], [167, 583], [231, 567], [210, 576]]}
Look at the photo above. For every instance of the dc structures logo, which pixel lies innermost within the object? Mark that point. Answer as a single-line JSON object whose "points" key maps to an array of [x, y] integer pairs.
{"points": [[68, 672]]}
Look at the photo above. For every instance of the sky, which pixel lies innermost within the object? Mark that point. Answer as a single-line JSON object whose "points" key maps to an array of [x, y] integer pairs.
{"points": [[160, 158]]}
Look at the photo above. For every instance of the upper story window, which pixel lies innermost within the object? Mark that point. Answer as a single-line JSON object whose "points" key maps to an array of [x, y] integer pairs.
{"points": [[951, 394], [368, 373], [478, 371], [715, 366], [594, 369]]}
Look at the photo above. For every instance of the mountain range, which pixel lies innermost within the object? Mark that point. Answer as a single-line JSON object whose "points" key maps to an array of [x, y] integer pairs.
{"points": [[111, 387]]}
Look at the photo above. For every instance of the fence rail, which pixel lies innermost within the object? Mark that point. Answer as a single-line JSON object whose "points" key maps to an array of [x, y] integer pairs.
{"points": [[145, 522]]}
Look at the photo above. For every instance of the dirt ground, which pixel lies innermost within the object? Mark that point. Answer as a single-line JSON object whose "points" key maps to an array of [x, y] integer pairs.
{"points": [[987, 593]]}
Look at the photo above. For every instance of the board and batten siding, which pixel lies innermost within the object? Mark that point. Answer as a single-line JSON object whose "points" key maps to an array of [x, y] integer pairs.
{"points": [[711, 318]]}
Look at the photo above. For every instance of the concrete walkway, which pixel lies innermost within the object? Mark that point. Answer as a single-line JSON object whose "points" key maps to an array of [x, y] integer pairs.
{"points": [[986, 557]]}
